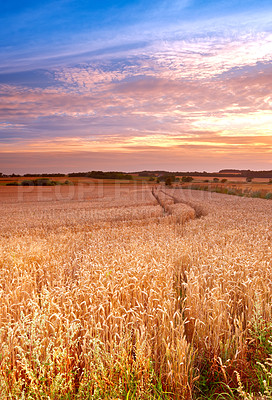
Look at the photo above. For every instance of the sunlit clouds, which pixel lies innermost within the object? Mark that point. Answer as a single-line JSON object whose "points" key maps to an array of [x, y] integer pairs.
{"points": [[177, 100]]}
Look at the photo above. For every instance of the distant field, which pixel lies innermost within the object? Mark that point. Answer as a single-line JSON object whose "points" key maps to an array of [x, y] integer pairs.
{"points": [[79, 191], [230, 179], [73, 179], [258, 186], [128, 291]]}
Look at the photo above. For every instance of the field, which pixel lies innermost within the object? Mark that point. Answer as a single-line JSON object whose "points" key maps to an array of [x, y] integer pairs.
{"points": [[258, 187], [231, 179], [134, 291]]}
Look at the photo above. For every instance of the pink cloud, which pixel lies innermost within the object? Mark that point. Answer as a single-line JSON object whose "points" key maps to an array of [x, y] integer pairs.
{"points": [[180, 99]]}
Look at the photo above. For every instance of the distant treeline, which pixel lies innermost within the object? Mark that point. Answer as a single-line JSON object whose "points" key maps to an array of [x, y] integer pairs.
{"points": [[248, 173], [38, 182], [90, 174], [32, 175], [224, 173], [158, 173], [102, 175], [182, 173], [44, 175]]}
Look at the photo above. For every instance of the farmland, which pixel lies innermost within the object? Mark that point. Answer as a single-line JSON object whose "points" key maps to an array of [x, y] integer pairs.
{"points": [[133, 291]]}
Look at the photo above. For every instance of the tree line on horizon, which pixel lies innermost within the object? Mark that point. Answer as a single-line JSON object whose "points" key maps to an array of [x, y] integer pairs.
{"points": [[157, 173]]}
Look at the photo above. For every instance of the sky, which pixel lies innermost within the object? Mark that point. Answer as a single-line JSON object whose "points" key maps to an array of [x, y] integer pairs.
{"points": [[133, 85]]}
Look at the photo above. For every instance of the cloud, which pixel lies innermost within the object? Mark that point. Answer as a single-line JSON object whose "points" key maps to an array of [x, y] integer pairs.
{"points": [[34, 78], [103, 102], [174, 92], [83, 34]]}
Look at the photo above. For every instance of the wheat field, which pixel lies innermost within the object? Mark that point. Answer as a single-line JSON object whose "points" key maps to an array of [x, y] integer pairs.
{"points": [[132, 292]]}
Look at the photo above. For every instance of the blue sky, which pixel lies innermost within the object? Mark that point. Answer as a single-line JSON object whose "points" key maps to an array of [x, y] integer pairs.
{"points": [[36, 33], [175, 85]]}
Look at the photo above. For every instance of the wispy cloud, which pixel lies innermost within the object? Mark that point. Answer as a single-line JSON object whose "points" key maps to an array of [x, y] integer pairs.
{"points": [[181, 91]]}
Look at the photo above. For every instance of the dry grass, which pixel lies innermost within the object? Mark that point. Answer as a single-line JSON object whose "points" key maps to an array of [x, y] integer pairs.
{"points": [[257, 188], [114, 293]]}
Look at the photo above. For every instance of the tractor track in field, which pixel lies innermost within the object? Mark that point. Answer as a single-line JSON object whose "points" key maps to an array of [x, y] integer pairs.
{"points": [[199, 211], [189, 210]]}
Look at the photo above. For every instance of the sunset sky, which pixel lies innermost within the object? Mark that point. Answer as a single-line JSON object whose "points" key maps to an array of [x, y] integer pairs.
{"points": [[134, 85]]}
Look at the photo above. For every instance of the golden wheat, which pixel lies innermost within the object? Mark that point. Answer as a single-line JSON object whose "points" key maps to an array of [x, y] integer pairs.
{"points": [[129, 286]]}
